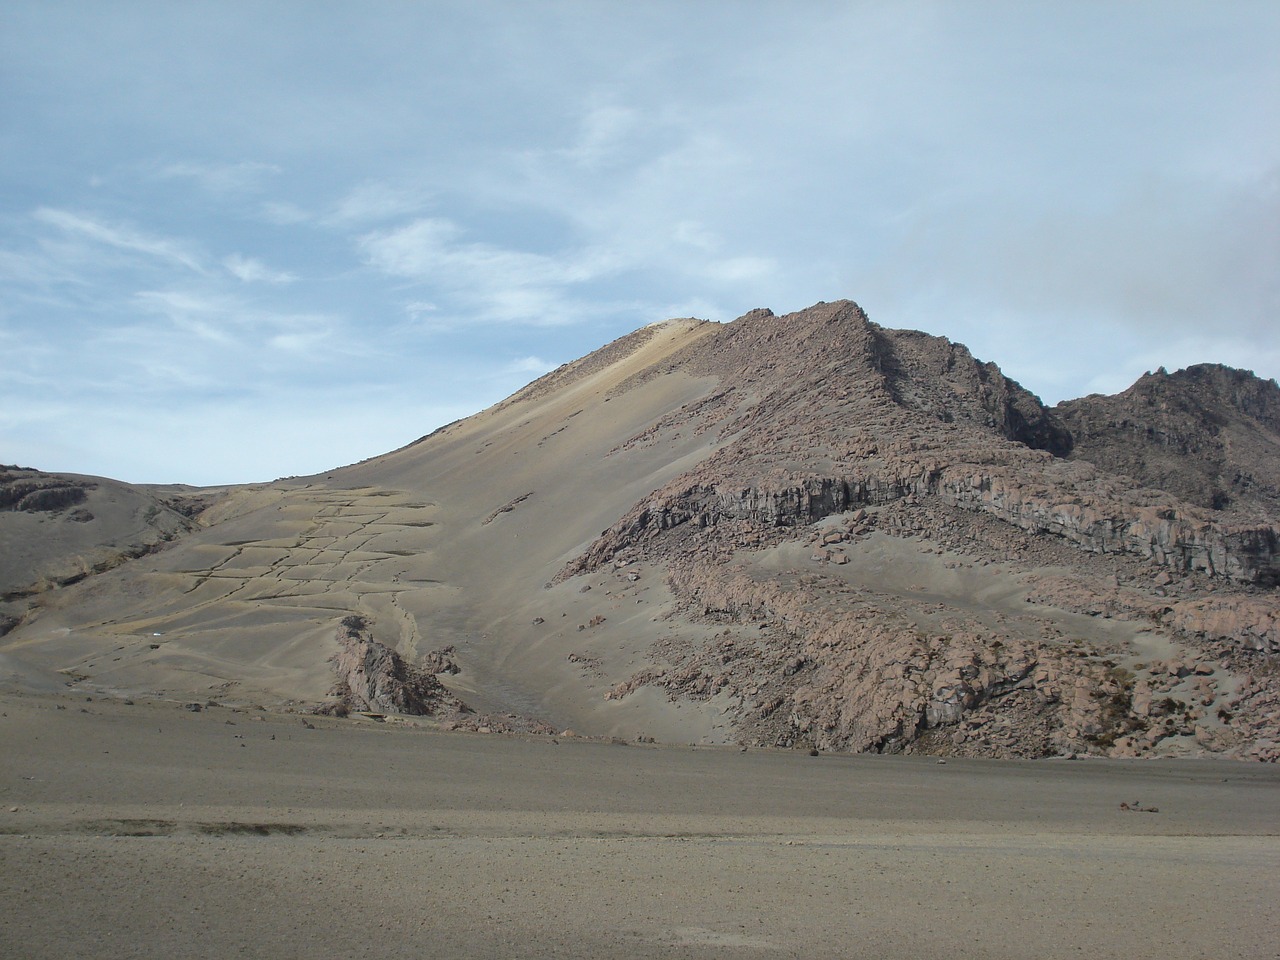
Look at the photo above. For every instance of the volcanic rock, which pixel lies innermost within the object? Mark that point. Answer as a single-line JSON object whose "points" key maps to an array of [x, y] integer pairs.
{"points": [[1208, 434], [626, 548]]}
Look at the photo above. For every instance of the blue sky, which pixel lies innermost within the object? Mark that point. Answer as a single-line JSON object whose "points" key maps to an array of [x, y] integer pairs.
{"points": [[248, 240]]}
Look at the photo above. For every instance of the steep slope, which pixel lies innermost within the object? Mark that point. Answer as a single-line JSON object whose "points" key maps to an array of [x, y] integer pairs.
{"points": [[830, 412], [798, 530], [448, 542], [1209, 434]]}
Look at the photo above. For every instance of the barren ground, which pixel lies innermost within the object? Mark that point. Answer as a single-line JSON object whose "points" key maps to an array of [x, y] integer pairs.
{"points": [[151, 831]]}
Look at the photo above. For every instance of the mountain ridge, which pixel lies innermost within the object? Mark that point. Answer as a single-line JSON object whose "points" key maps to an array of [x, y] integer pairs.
{"points": [[799, 530]]}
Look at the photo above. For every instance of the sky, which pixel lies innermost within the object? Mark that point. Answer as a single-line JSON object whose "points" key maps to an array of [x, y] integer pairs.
{"points": [[247, 240]]}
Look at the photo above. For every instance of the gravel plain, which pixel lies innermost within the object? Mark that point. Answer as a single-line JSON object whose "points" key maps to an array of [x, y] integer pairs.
{"points": [[149, 830]]}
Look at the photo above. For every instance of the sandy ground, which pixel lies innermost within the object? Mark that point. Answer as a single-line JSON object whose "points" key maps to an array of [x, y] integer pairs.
{"points": [[447, 543], [151, 831]]}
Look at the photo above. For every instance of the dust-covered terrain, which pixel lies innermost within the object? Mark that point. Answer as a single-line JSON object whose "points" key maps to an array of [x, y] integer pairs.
{"points": [[804, 531]]}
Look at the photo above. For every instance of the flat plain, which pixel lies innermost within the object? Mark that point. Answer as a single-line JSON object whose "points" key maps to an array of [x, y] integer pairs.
{"points": [[149, 830]]}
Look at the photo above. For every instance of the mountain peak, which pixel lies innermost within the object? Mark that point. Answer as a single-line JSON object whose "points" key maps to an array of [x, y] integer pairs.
{"points": [[788, 530], [1209, 434]]}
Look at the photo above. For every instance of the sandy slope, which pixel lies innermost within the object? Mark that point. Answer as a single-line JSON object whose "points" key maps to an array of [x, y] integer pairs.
{"points": [[149, 831], [429, 543]]}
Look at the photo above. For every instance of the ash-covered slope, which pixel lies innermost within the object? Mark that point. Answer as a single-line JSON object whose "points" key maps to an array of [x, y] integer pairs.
{"points": [[830, 412], [804, 530], [57, 529], [1208, 434]]}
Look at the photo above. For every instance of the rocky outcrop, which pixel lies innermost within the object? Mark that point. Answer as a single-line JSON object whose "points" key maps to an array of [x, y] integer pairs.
{"points": [[866, 677], [1208, 434], [1165, 532], [823, 413], [35, 492], [828, 412], [373, 678]]}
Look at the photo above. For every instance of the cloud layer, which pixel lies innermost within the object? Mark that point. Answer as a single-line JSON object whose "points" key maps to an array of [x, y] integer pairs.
{"points": [[329, 231]]}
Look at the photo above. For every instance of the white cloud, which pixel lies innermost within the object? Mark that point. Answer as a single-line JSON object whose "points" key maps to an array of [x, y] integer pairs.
{"points": [[374, 201], [418, 251], [421, 308], [604, 131], [491, 283], [302, 342], [534, 366], [695, 234], [740, 269], [222, 178], [283, 214], [32, 269], [207, 318], [121, 237], [249, 333], [254, 271], [432, 249]]}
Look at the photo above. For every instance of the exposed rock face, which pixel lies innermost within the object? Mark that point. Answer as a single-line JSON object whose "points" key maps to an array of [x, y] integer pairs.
{"points": [[863, 676], [905, 434], [373, 678], [866, 416], [34, 492], [1208, 434]]}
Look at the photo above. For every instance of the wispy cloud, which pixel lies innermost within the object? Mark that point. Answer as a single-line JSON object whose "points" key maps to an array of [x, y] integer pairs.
{"points": [[207, 318], [31, 268], [252, 331], [254, 271], [531, 365], [497, 284], [603, 133], [283, 213], [433, 249], [121, 237], [222, 178], [374, 201]]}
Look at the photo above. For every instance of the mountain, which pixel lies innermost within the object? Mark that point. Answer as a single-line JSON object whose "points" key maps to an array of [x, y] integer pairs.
{"points": [[803, 530], [1209, 434]]}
